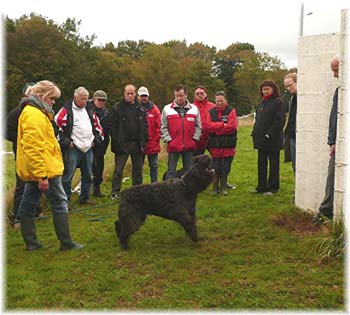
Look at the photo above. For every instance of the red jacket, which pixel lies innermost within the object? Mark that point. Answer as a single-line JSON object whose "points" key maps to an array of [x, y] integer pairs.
{"points": [[219, 129], [181, 133], [153, 120], [204, 108]]}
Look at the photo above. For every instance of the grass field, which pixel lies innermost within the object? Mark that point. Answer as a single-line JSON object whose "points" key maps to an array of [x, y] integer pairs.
{"points": [[255, 253]]}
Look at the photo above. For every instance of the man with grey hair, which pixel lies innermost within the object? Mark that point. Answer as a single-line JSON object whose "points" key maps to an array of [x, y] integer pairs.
{"points": [[326, 207], [78, 130]]}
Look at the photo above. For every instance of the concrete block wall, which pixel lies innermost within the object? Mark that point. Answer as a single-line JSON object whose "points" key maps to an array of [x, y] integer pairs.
{"points": [[316, 86]]}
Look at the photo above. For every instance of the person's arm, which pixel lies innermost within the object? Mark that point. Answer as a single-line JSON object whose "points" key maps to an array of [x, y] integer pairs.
{"points": [[164, 127], [61, 123], [278, 121], [32, 124], [332, 129], [197, 127]]}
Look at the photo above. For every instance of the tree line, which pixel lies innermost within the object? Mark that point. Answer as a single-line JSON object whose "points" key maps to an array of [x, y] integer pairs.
{"points": [[38, 48]]}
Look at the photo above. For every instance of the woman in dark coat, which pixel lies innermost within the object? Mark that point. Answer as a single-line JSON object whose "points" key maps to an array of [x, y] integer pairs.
{"points": [[268, 137]]}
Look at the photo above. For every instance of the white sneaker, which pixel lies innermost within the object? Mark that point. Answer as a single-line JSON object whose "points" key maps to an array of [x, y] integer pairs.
{"points": [[268, 193], [115, 196]]}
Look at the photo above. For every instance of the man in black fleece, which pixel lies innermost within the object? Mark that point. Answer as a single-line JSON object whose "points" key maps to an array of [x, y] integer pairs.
{"points": [[129, 133]]}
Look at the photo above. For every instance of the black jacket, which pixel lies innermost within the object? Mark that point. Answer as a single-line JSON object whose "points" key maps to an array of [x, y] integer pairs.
{"points": [[120, 123], [268, 127], [103, 116], [332, 129], [12, 127], [292, 117]]}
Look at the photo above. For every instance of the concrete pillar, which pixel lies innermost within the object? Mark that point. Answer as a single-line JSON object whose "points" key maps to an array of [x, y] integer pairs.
{"points": [[342, 174], [316, 87]]}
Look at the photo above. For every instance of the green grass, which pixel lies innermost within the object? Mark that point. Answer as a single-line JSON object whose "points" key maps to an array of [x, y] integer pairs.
{"points": [[254, 253]]}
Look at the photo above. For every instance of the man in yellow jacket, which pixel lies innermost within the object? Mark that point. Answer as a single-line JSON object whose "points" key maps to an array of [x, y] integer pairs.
{"points": [[39, 164]]}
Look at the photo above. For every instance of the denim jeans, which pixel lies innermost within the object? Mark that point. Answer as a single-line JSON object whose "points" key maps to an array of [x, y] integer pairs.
{"points": [[173, 158], [153, 166], [55, 194], [292, 148], [84, 161]]}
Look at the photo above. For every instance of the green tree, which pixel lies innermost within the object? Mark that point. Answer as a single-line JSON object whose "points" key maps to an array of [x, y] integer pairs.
{"points": [[225, 64]]}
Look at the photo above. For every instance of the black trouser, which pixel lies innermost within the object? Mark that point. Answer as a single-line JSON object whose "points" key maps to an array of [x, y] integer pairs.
{"points": [[273, 182], [326, 207], [98, 166], [132, 148]]}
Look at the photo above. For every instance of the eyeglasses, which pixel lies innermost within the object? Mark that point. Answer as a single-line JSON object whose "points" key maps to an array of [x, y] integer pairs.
{"points": [[143, 95], [289, 85], [101, 99]]}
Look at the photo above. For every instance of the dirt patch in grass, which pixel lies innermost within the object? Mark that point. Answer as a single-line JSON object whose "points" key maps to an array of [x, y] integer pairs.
{"points": [[298, 221]]}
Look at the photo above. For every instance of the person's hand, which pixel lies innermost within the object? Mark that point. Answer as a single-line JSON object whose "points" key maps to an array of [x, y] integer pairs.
{"points": [[332, 150], [71, 145], [44, 184]]}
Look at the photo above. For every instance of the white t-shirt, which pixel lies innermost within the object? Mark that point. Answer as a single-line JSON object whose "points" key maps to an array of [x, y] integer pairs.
{"points": [[82, 135]]}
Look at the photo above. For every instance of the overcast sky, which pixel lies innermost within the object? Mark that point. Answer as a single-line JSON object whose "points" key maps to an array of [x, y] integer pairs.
{"points": [[270, 25]]}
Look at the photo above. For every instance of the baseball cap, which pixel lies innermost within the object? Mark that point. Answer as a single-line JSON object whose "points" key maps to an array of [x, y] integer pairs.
{"points": [[101, 95], [143, 91]]}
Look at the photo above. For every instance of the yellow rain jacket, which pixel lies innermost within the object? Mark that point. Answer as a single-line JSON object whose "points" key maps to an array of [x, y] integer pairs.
{"points": [[38, 152]]}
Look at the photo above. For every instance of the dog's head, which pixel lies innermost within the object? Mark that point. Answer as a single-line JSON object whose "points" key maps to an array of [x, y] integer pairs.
{"points": [[204, 162]]}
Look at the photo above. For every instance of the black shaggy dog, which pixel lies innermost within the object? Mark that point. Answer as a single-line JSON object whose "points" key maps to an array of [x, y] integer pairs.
{"points": [[173, 199]]}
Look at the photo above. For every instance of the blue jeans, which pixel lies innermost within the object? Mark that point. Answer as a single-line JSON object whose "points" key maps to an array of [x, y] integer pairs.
{"points": [[84, 161], [55, 194], [222, 166], [173, 158], [292, 148], [153, 166]]}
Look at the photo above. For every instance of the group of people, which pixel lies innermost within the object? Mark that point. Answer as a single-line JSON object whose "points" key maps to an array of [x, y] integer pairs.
{"points": [[49, 148], [275, 128]]}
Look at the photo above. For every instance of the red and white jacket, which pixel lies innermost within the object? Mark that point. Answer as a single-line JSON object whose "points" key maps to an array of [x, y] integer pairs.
{"points": [[204, 107], [181, 133], [153, 121]]}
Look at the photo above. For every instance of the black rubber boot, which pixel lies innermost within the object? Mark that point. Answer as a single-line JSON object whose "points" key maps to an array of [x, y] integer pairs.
{"points": [[223, 184], [216, 184], [61, 225], [29, 233]]}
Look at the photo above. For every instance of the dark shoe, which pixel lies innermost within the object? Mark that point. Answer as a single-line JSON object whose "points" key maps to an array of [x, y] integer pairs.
{"points": [[71, 246], [29, 233], [97, 192], [60, 222]]}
